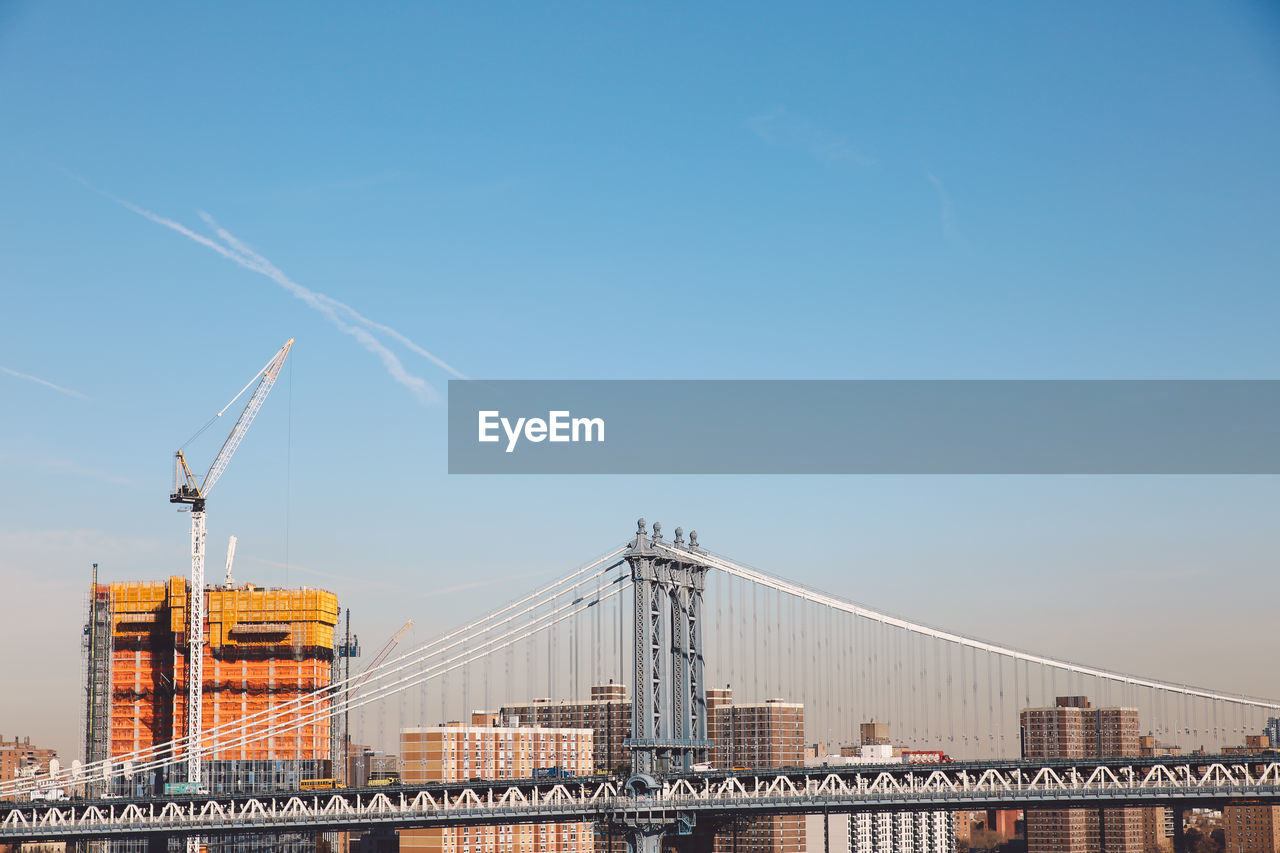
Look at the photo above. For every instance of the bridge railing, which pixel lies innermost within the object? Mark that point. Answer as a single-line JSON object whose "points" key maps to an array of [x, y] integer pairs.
{"points": [[833, 789]]}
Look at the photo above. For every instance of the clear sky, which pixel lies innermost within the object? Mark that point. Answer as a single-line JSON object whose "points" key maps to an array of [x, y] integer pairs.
{"points": [[592, 190]]}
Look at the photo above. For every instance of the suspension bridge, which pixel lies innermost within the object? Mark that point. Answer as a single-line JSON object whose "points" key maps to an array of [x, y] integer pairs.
{"points": [[673, 618]]}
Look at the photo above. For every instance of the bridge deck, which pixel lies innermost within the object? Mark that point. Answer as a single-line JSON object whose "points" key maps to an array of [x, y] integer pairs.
{"points": [[707, 797]]}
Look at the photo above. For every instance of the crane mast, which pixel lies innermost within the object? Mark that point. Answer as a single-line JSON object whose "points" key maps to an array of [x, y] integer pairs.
{"points": [[188, 490]]}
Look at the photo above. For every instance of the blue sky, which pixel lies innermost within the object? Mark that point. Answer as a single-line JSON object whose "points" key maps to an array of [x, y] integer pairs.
{"points": [[625, 191]]}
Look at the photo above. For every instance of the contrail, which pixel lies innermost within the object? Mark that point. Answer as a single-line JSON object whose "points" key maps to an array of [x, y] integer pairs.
{"points": [[235, 250], [180, 228], [69, 392], [949, 229], [231, 240]]}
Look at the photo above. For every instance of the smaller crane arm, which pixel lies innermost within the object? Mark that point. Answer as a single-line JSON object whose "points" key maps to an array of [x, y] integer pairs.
{"points": [[231, 556], [382, 655]]}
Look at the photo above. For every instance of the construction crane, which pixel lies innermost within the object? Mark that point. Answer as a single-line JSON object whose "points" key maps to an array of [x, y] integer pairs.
{"points": [[186, 490], [364, 676], [383, 654]]}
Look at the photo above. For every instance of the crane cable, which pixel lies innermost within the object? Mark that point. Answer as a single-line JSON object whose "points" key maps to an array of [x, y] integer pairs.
{"points": [[213, 420]]}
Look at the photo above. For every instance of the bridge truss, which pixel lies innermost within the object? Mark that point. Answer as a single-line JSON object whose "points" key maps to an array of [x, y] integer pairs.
{"points": [[1209, 781]]}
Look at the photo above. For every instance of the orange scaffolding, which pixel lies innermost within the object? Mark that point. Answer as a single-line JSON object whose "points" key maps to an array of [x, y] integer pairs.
{"points": [[264, 647]]}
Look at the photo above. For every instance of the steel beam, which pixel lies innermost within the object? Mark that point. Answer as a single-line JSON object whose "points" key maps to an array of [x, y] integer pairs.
{"points": [[668, 717], [648, 814]]}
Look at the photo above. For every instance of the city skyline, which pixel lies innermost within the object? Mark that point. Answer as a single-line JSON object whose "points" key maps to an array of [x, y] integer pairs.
{"points": [[843, 193], [769, 735], [274, 651]]}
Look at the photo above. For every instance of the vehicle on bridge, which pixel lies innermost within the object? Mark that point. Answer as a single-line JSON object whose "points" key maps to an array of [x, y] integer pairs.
{"points": [[195, 788], [556, 772], [320, 785]]}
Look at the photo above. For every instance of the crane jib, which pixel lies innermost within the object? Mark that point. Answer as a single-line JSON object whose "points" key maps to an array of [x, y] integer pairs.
{"points": [[187, 491]]}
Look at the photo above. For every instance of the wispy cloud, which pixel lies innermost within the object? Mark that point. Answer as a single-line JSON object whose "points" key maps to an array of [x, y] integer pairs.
{"points": [[319, 300], [347, 320], [949, 229], [61, 465], [480, 584], [784, 130], [45, 382]]}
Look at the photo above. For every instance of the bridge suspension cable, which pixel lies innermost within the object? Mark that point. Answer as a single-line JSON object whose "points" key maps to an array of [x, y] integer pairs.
{"points": [[367, 686], [935, 689], [816, 597], [871, 666]]}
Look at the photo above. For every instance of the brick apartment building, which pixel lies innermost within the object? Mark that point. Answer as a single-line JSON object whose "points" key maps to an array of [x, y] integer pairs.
{"points": [[767, 734], [483, 749], [1073, 728], [17, 754], [763, 734], [607, 714], [1253, 829]]}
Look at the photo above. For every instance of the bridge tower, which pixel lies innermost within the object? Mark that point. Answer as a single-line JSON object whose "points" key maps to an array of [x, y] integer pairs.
{"points": [[669, 705]]}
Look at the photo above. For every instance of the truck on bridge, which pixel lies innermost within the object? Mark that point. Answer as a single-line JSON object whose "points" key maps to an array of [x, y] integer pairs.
{"points": [[556, 772]]}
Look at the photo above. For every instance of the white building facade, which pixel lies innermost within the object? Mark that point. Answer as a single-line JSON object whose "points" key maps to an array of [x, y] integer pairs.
{"points": [[880, 832]]}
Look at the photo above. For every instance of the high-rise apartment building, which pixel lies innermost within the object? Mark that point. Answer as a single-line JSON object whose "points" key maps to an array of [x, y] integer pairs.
{"points": [[757, 735], [1073, 728], [484, 750], [18, 754], [1157, 830], [768, 734], [607, 715], [263, 648], [1253, 829]]}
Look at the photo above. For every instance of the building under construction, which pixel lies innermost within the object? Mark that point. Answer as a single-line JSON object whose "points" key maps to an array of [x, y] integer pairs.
{"points": [[263, 648]]}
